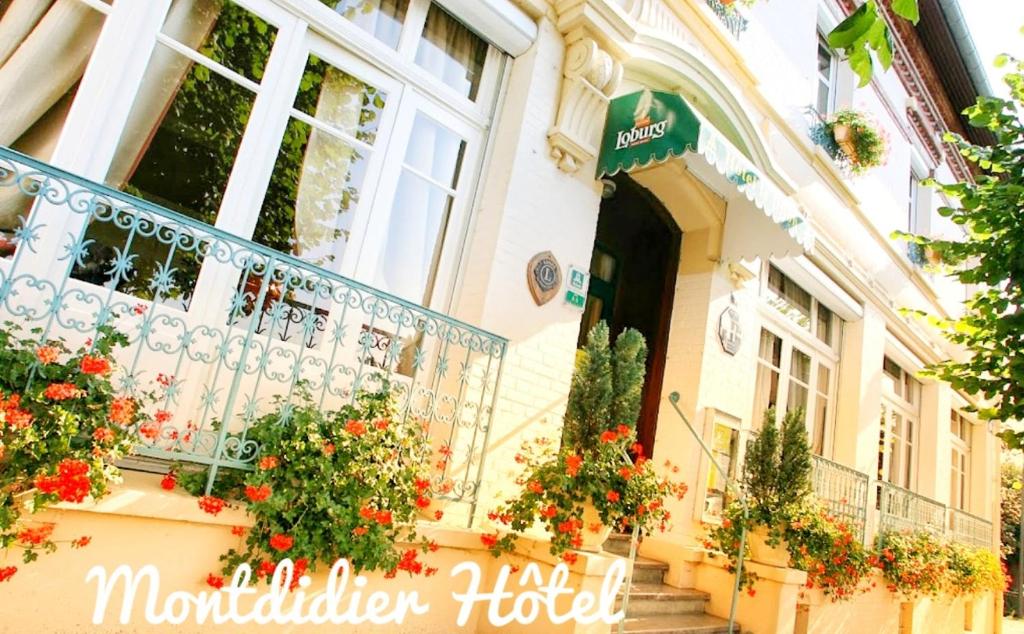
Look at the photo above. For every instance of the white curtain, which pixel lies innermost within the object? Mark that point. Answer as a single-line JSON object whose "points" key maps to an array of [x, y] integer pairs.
{"points": [[327, 171], [451, 52], [381, 18], [420, 210]]}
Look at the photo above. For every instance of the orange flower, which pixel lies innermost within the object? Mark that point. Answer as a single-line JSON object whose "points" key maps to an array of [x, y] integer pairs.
{"points": [[609, 436], [162, 416], [359, 531], [550, 511], [570, 558], [257, 494], [489, 541], [328, 449], [383, 517], [47, 354], [215, 581], [211, 504], [573, 464], [355, 427], [168, 482], [81, 542], [121, 411], [535, 487], [613, 496], [626, 472], [422, 502], [103, 434], [382, 424], [62, 391], [281, 542], [94, 365], [268, 462], [35, 536], [623, 430], [238, 531]]}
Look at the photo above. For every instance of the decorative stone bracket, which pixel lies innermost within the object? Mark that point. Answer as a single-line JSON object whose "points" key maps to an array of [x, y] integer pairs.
{"points": [[591, 78]]}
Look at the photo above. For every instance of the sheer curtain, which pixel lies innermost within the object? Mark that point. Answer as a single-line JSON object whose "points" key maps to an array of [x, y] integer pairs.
{"points": [[44, 47], [327, 164], [451, 52], [381, 18], [419, 213]]}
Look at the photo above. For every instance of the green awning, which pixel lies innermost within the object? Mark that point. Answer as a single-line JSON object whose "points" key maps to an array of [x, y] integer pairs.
{"points": [[650, 127]]}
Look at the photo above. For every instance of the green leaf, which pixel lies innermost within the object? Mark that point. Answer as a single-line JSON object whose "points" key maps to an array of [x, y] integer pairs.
{"points": [[860, 63], [854, 27], [880, 40], [907, 9]]}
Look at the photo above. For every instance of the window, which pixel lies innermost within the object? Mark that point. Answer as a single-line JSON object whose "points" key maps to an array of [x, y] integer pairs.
{"points": [[901, 396], [790, 299], [914, 251], [39, 84], [826, 77], [960, 484], [362, 164], [769, 369], [724, 448]]}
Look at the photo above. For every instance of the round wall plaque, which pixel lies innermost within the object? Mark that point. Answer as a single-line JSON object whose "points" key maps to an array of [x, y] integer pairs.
{"points": [[544, 277]]}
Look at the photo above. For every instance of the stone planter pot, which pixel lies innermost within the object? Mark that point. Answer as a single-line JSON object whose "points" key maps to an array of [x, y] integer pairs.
{"points": [[843, 135], [763, 553], [593, 542]]}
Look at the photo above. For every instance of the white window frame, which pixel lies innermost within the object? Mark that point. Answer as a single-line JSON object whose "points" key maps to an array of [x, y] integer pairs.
{"points": [[804, 339], [830, 81], [715, 418], [961, 449], [897, 413], [303, 25]]}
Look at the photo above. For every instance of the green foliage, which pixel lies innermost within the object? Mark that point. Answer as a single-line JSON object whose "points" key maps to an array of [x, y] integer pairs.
{"points": [[777, 469], [629, 366], [336, 484], [588, 411], [606, 387], [558, 485], [1010, 507], [866, 31], [62, 427], [870, 144], [913, 563], [990, 259]]}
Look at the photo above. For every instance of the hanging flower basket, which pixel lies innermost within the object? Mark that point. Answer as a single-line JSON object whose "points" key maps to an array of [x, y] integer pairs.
{"points": [[861, 143]]}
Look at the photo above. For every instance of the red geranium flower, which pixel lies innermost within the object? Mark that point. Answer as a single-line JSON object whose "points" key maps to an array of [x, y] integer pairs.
{"points": [[168, 482], [550, 511], [162, 416], [103, 434], [257, 494], [535, 487], [215, 581], [573, 464], [281, 542], [62, 391], [238, 531], [438, 515], [355, 427], [488, 540], [47, 354], [570, 558], [94, 365], [35, 536], [623, 430], [609, 436], [211, 504], [268, 462], [71, 483], [81, 542], [359, 531], [613, 496], [7, 573], [381, 424], [383, 517], [121, 411], [422, 502]]}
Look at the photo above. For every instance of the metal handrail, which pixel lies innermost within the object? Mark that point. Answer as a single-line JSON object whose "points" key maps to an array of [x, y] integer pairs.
{"points": [[674, 400], [964, 527], [853, 489], [917, 512]]}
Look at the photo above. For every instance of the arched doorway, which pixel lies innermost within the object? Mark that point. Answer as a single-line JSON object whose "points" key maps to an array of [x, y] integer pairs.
{"points": [[632, 282]]}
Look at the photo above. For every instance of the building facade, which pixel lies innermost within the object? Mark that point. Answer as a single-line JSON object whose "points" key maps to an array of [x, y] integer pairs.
{"points": [[325, 190]]}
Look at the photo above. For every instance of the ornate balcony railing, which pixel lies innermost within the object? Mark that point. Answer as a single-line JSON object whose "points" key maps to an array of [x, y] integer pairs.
{"points": [[729, 16], [903, 510], [227, 330], [970, 529], [843, 491]]}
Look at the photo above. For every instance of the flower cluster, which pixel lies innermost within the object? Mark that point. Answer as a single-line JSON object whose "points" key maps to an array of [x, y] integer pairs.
{"points": [[62, 426], [859, 141], [328, 485], [560, 486], [918, 563], [836, 561]]}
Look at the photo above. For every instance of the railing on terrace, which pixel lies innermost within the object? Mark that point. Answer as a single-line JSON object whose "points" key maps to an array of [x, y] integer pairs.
{"points": [[729, 16], [843, 491], [970, 529], [903, 510], [228, 331]]}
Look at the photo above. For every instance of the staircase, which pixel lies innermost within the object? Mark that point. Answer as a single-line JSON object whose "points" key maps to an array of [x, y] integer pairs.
{"points": [[655, 608]]}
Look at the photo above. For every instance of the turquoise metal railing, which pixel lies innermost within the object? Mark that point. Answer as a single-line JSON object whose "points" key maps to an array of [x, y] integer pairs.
{"points": [[220, 326], [970, 529], [843, 491], [903, 510], [729, 16]]}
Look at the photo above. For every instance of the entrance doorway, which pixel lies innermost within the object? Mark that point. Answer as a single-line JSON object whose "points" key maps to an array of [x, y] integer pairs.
{"points": [[632, 283]]}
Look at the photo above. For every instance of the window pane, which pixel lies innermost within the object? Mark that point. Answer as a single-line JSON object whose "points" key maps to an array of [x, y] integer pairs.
{"points": [[38, 89], [824, 328], [895, 451], [435, 151], [820, 422], [179, 144], [800, 366], [771, 349], [380, 18], [451, 52], [790, 299], [346, 104], [766, 393]]}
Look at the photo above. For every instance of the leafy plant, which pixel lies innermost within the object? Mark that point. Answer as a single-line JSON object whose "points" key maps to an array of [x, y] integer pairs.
{"points": [[62, 427], [777, 469], [913, 563], [330, 485], [868, 147], [973, 571], [989, 258], [866, 31], [559, 485]]}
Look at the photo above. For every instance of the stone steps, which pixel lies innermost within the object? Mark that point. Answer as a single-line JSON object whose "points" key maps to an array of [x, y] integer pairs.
{"points": [[656, 608]]}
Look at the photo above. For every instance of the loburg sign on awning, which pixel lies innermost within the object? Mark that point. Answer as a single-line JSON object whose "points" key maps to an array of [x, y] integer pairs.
{"points": [[649, 127]]}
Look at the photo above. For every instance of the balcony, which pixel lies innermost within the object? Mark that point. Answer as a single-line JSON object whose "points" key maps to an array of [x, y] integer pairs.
{"points": [[730, 17], [843, 491], [226, 330]]}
